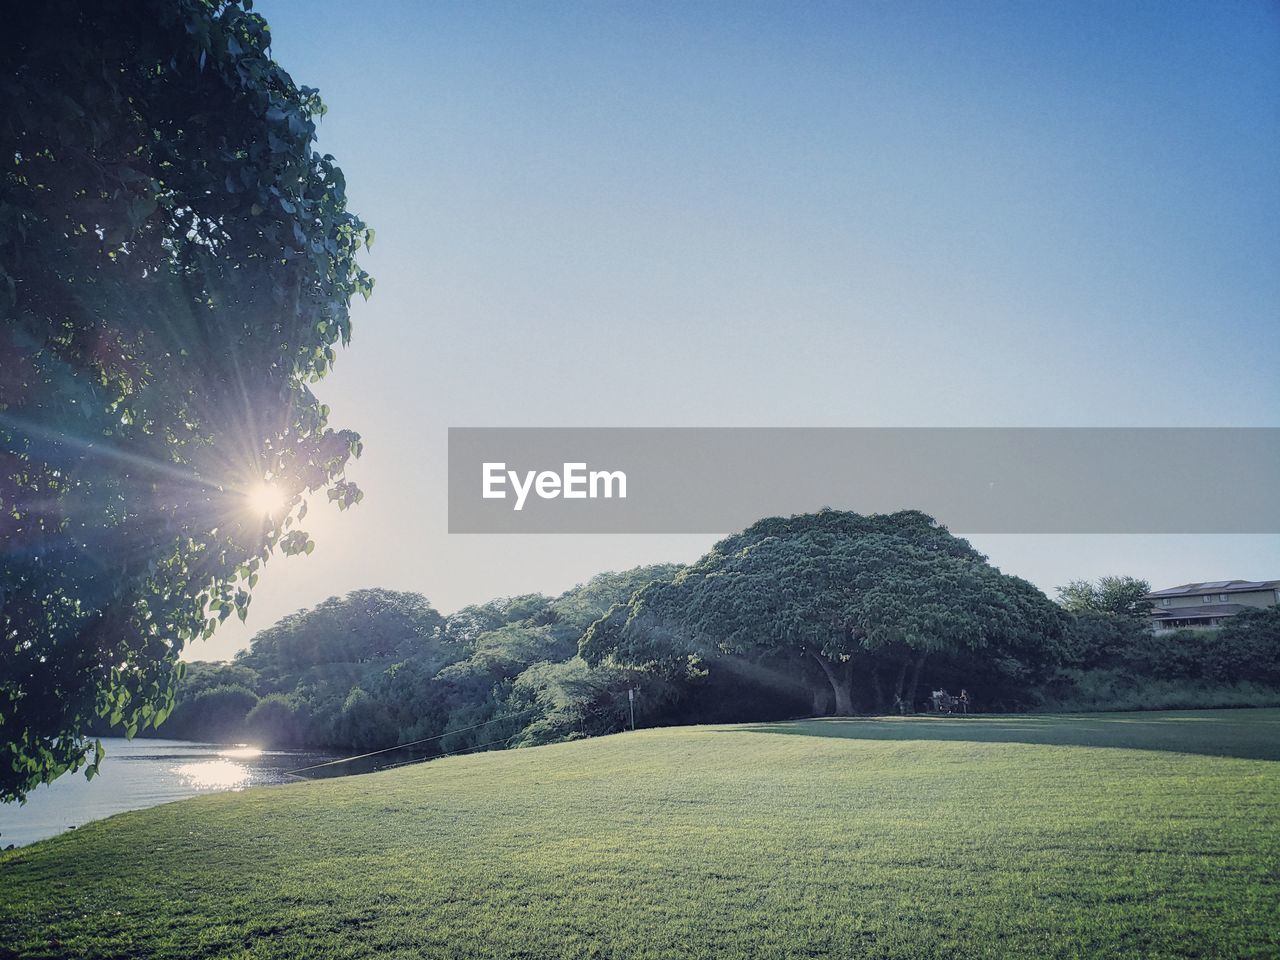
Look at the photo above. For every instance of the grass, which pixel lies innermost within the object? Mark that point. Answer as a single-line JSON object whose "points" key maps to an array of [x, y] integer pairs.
{"points": [[1150, 835]]}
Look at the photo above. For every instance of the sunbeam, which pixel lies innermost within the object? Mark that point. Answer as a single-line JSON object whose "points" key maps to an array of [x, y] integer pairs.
{"points": [[266, 499]]}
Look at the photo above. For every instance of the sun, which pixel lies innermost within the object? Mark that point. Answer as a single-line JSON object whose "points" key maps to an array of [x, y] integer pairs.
{"points": [[266, 499]]}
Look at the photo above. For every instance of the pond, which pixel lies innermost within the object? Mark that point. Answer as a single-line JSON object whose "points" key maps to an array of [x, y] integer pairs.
{"points": [[144, 773]]}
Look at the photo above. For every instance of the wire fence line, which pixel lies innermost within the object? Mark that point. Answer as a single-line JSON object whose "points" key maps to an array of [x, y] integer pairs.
{"points": [[441, 736], [451, 753], [479, 746], [412, 743]]}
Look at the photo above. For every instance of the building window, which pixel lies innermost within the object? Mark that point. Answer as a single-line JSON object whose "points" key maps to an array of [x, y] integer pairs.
{"points": [[1164, 601], [1207, 598]]}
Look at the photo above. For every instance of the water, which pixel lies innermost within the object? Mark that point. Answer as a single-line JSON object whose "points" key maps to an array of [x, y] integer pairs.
{"points": [[144, 773]]}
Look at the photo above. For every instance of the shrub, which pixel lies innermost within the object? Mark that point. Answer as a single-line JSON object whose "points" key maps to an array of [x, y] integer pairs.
{"points": [[364, 723], [1247, 648], [274, 722], [1118, 690], [217, 714]]}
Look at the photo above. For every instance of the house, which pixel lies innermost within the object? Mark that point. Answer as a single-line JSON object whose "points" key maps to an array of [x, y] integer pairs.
{"points": [[1208, 604]]}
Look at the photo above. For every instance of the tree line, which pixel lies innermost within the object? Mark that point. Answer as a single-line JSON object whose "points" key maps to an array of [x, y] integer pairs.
{"points": [[818, 614], [1114, 661]]}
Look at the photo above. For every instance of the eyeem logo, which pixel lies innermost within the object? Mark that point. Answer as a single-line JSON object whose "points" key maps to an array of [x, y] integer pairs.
{"points": [[574, 482]]}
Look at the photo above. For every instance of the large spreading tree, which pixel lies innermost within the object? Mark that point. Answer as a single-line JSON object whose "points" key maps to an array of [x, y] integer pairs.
{"points": [[858, 603], [176, 267]]}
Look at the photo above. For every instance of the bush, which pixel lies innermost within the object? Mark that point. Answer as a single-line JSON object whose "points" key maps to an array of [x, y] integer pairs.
{"points": [[1095, 639], [274, 722], [1247, 648], [217, 714], [1086, 691], [365, 723], [1173, 655]]}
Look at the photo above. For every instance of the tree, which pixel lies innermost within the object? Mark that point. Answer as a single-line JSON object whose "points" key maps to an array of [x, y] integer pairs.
{"points": [[575, 700], [576, 609], [853, 596], [365, 723], [1097, 639], [372, 626], [216, 714], [388, 643], [517, 643], [202, 675], [176, 267], [1115, 595], [274, 722], [1247, 647], [466, 626]]}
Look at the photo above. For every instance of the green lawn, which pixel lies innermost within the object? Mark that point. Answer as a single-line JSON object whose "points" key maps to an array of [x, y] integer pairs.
{"points": [[1123, 835]]}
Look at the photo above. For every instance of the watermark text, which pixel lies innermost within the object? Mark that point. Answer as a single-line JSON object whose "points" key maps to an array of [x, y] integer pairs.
{"points": [[573, 482]]}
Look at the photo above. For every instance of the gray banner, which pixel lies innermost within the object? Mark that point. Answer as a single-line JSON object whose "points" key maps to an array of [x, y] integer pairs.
{"points": [[975, 480]]}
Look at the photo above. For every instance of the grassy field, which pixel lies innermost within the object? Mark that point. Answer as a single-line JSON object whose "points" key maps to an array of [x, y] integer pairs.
{"points": [[1123, 835]]}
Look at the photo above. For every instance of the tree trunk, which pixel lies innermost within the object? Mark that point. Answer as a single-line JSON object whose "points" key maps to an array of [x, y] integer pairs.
{"points": [[915, 681], [819, 687], [840, 677], [821, 701], [901, 680], [877, 689]]}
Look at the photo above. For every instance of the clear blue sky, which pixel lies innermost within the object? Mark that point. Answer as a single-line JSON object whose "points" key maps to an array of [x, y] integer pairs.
{"points": [[786, 214]]}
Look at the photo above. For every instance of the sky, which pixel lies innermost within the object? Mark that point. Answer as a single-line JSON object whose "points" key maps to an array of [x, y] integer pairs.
{"points": [[784, 214]]}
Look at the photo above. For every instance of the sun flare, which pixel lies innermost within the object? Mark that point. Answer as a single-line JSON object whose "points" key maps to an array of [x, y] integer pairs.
{"points": [[266, 499]]}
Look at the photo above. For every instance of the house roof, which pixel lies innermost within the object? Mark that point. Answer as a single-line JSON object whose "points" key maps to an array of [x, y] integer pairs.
{"points": [[1201, 612], [1215, 586]]}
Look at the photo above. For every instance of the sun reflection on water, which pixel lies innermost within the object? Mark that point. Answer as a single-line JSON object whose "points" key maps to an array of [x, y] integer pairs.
{"points": [[215, 774], [241, 752], [222, 773]]}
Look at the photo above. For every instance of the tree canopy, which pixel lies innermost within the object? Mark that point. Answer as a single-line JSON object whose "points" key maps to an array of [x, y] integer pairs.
{"points": [[372, 626], [1119, 596], [176, 268], [376, 668], [853, 596], [763, 628]]}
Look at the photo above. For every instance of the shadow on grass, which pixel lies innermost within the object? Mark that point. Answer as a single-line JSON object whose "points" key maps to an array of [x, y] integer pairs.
{"points": [[1247, 734]]}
